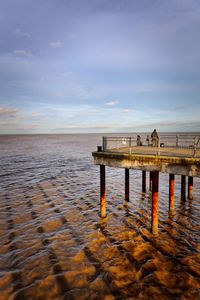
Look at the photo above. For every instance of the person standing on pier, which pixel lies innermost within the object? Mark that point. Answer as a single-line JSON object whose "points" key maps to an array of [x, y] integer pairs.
{"points": [[154, 138], [147, 139], [139, 142]]}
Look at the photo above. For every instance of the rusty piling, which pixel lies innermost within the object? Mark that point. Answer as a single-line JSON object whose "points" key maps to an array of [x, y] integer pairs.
{"points": [[127, 192], [171, 192], [190, 187], [155, 196], [102, 191], [150, 181], [183, 186], [144, 181]]}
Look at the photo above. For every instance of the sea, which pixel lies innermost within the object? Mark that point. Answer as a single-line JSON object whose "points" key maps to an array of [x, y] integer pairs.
{"points": [[54, 245]]}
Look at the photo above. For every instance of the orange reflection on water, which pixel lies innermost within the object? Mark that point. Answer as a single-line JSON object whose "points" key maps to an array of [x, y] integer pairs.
{"points": [[54, 246]]}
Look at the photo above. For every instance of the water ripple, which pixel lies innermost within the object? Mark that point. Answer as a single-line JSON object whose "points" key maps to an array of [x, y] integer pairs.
{"points": [[55, 246]]}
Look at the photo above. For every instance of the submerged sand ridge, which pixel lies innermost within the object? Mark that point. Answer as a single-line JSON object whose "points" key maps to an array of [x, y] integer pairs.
{"points": [[54, 245]]}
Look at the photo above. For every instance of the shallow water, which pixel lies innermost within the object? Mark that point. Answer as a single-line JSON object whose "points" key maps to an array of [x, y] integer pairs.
{"points": [[55, 246]]}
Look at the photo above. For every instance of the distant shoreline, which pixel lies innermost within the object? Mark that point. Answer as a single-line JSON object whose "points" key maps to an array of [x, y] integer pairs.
{"points": [[100, 133]]}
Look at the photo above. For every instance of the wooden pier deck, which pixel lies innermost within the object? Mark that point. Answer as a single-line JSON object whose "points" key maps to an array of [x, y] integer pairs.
{"points": [[164, 151]]}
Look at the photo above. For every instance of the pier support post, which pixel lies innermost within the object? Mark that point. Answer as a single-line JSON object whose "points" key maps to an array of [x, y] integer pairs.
{"points": [[171, 192], [127, 192], [183, 186], [190, 187], [155, 195], [144, 181], [102, 191], [150, 181]]}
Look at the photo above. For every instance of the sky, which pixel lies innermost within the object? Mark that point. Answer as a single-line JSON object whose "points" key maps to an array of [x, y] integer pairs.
{"points": [[84, 66]]}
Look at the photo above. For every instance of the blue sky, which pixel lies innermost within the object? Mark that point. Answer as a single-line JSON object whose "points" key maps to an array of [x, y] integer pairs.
{"points": [[70, 66]]}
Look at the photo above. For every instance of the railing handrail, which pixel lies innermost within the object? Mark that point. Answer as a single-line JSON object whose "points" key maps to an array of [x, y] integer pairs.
{"points": [[190, 141], [161, 135]]}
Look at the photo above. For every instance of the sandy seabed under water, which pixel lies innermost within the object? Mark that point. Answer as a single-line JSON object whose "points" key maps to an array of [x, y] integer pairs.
{"points": [[55, 246]]}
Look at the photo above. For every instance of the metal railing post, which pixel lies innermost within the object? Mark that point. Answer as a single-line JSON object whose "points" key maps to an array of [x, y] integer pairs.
{"points": [[195, 149], [130, 145], [158, 146], [104, 143], [176, 140]]}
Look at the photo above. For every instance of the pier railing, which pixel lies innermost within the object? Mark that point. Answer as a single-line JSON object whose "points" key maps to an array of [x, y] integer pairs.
{"points": [[176, 145]]}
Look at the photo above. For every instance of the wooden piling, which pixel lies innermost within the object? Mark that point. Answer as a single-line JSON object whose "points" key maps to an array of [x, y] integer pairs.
{"points": [[155, 196], [127, 192], [150, 181], [190, 187], [183, 186], [171, 192], [102, 191], [144, 181]]}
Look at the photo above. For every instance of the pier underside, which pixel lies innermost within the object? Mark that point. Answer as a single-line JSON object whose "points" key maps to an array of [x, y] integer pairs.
{"points": [[179, 165]]}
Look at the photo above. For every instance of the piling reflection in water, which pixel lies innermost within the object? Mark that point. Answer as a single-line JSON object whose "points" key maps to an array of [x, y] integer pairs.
{"points": [[55, 246]]}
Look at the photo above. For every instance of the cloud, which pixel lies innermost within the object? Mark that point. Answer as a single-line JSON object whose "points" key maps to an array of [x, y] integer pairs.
{"points": [[71, 111], [21, 52], [111, 103], [138, 52], [21, 33], [82, 127], [167, 125], [57, 44], [29, 126], [17, 125], [8, 124], [127, 110], [35, 114], [28, 115], [6, 111]]}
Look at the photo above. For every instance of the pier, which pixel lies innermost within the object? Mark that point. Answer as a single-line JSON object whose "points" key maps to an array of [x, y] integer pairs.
{"points": [[172, 154]]}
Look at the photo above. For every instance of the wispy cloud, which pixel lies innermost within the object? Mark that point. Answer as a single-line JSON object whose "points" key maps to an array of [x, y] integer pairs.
{"points": [[127, 110], [80, 127], [27, 116], [174, 124], [177, 126], [22, 52], [18, 125], [29, 126], [6, 111], [111, 103], [125, 64], [57, 44], [22, 33], [35, 114], [8, 123]]}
